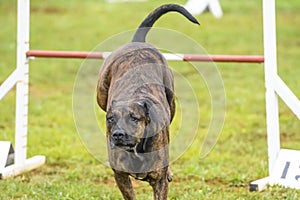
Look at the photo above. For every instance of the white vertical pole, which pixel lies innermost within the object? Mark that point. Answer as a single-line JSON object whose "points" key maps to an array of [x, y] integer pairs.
{"points": [[269, 30], [22, 83]]}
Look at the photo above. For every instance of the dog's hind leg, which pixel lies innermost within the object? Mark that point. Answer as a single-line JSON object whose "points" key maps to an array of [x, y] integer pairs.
{"points": [[125, 186]]}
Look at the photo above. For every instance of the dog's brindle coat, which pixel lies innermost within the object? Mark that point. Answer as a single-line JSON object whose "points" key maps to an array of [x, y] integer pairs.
{"points": [[135, 88]]}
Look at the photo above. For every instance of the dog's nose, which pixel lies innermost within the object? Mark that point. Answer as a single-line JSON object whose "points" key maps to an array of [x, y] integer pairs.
{"points": [[118, 135]]}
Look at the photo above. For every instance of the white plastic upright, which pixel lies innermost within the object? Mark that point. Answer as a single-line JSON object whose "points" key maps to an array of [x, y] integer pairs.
{"points": [[270, 53], [22, 83]]}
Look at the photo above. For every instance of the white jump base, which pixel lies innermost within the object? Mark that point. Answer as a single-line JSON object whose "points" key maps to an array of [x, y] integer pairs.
{"points": [[286, 172], [28, 165]]}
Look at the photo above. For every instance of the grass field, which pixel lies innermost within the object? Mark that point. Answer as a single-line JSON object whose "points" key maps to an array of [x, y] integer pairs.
{"points": [[240, 154]]}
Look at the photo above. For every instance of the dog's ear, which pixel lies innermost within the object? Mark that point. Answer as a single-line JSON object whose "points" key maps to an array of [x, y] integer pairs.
{"points": [[103, 86]]}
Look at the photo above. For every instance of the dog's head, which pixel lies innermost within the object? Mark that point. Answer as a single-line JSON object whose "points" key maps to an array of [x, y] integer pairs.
{"points": [[126, 123]]}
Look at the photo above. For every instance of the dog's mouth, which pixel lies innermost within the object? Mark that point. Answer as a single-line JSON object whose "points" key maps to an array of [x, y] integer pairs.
{"points": [[130, 148], [127, 147], [124, 145]]}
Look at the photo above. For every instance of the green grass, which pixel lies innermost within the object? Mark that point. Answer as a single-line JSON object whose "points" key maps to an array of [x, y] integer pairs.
{"points": [[239, 156]]}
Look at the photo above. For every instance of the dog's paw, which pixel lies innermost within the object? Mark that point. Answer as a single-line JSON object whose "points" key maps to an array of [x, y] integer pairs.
{"points": [[169, 174]]}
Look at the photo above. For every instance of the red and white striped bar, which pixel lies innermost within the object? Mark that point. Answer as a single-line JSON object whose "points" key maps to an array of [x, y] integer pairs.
{"points": [[64, 54], [168, 56]]}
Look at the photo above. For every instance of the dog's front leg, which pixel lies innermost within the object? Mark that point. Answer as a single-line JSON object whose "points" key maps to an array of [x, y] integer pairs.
{"points": [[124, 183], [160, 189], [160, 186]]}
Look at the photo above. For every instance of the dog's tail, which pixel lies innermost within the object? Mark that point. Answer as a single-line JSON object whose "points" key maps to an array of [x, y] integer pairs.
{"points": [[145, 26]]}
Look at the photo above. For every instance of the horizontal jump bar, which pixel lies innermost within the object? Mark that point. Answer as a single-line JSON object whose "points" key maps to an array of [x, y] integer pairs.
{"points": [[168, 56]]}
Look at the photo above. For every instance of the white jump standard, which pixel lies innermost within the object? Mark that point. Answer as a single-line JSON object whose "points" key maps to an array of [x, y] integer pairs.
{"points": [[281, 164], [20, 78]]}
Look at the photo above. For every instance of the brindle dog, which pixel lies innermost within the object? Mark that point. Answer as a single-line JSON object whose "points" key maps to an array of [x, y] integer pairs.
{"points": [[136, 89]]}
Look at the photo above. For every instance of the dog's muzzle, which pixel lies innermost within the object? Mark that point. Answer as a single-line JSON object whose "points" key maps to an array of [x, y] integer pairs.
{"points": [[122, 139]]}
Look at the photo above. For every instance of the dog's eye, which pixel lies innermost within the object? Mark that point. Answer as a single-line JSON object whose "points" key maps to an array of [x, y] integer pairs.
{"points": [[133, 118], [110, 119]]}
